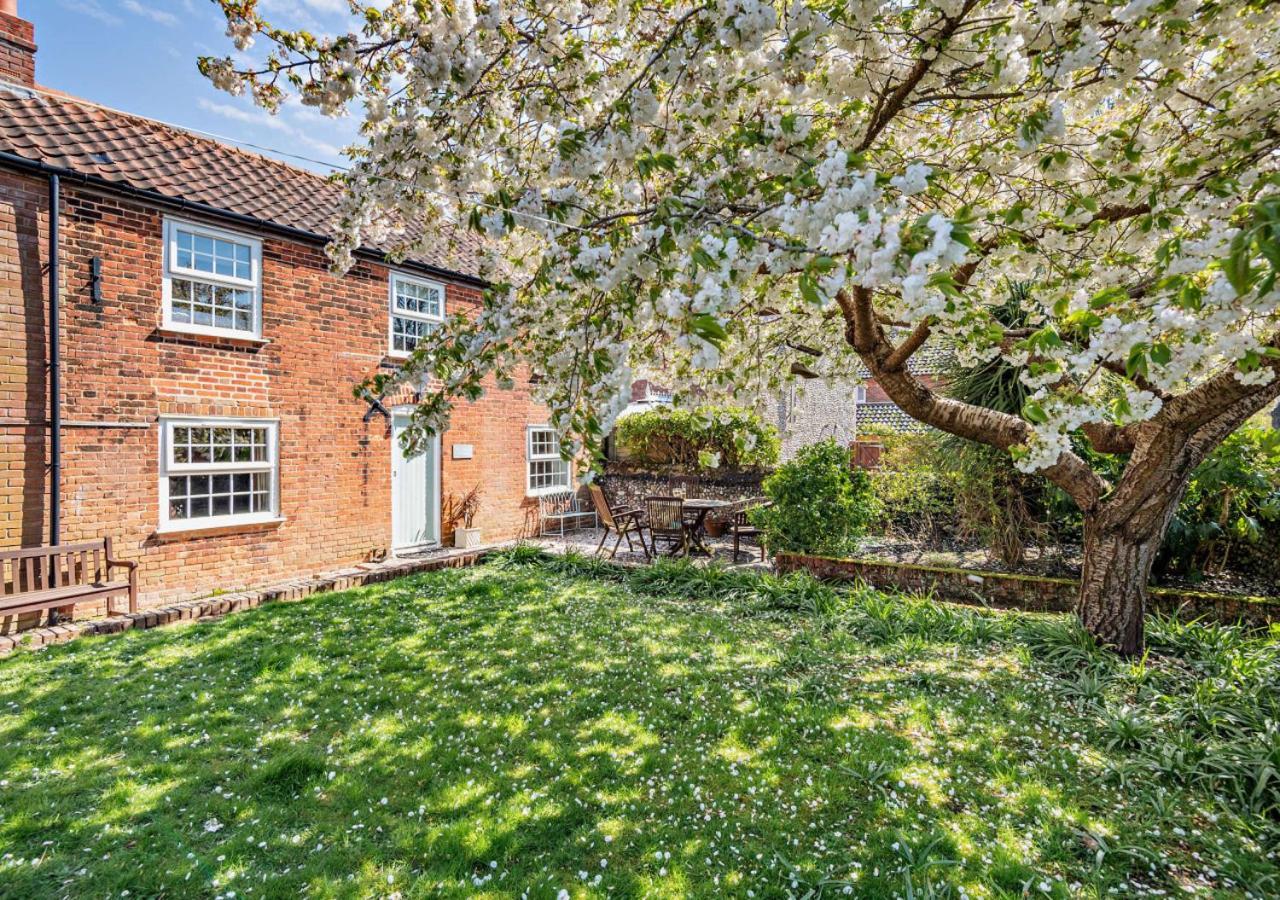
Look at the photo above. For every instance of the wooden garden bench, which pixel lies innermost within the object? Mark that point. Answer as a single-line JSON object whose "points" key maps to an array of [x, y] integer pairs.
{"points": [[37, 578]]}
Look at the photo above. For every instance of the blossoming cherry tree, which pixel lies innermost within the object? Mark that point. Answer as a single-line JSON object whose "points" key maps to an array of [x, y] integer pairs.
{"points": [[739, 191]]}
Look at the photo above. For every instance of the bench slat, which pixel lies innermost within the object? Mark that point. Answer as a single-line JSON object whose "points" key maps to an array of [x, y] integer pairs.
{"points": [[56, 597], [25, 552]]}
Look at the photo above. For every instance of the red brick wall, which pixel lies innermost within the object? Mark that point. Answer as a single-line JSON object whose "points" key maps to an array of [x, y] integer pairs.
{"points": [[326, 334], [876, 394], [17, 50]]}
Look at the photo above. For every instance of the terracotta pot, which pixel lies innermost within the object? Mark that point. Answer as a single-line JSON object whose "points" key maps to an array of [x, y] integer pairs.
{"points": [[716, 527]]}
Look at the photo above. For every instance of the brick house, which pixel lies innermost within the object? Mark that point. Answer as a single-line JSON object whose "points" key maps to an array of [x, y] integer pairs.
{"points": [[206, 357]]}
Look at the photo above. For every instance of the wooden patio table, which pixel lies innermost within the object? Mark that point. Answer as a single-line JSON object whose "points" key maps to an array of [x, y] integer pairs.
{"points": [[700, 507]]}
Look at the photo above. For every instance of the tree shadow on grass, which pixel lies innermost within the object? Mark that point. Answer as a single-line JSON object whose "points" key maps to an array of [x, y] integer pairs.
{"points": [[498, 731]]}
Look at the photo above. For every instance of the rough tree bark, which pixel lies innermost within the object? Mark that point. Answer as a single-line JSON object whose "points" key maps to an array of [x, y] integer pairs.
{"points": [[1118, 556], [1113, 588]]}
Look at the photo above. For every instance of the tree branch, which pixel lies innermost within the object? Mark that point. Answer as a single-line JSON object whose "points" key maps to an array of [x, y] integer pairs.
{"points": [[893, 101], [899, 357], [975, 423], [1197, 407]]}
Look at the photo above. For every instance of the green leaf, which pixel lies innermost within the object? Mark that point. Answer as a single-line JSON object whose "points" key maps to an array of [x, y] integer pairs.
{"points": [[1034, 412], [1238, 264], [706, 326], [1136, 364], [809, 289]]}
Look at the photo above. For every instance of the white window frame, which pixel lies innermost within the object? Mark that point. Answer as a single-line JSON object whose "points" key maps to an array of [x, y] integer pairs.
{"points": [[860, 394], [173, 270], [393, 313], [530, 458], [168, 467]]}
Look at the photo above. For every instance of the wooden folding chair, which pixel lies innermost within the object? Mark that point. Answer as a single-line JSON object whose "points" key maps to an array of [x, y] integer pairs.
{"points": [[622, 522]]}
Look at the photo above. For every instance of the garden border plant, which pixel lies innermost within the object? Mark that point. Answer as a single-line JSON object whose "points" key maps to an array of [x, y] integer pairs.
{"points": [[705, 437]]}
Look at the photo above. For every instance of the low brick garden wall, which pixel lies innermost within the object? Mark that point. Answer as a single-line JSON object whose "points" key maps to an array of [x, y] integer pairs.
{"points": [[1033, 593], [224, 604]]}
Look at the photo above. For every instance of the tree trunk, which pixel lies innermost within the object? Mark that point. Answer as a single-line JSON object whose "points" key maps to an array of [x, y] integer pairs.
{"points": [[1113, 586]]}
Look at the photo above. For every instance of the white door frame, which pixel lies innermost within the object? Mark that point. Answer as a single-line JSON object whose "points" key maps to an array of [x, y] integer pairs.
{"points": [[433, 513]]}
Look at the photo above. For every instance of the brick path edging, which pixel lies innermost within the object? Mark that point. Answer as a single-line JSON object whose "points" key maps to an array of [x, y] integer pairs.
{"points": [[213, 607], [1032, 593]]}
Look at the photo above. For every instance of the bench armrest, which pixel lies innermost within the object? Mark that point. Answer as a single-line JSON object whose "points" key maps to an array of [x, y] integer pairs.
{"points": [[126, 563]]}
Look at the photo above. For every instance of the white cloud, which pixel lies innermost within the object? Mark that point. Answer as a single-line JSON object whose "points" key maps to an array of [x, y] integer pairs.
{"points": [[155, 15], [91, 8], [248, 116], [300, 141]]}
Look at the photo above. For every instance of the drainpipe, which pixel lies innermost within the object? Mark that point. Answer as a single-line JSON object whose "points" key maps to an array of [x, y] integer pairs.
{"points": [[55, 372]]}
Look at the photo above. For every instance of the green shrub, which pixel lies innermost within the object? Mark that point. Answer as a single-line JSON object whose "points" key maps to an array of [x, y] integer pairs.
{"points": [[821, 503], [915, 496], [706, 437], [1233, 501]]}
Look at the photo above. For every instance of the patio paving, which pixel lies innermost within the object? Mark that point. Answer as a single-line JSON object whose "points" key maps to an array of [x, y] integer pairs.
{"points": [[585, 541]]}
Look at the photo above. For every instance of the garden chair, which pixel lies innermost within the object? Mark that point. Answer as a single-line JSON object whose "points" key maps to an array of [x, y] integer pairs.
{"points": [[561, 510], [622, 522], [667, 524], [742, 527]]}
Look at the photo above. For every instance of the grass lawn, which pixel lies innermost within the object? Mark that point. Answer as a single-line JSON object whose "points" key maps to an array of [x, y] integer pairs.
{"points": [[557, 729]]}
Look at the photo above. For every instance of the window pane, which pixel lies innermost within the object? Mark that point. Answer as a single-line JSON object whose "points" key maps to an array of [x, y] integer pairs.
{"points": [[548, 473], [405, 333], [543, 443], [197, 302], [222, 445], [219, 492], [244, 263], [210, 304], [411, 296]]}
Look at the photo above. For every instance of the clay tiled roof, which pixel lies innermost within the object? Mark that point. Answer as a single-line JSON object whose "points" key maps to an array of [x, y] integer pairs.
{"points": [[930, 359], [884, 415], [142, 154]]}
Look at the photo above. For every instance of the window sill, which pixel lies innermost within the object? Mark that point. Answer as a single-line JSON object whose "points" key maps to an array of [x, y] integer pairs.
{"points": [[546, 492], [175, 530], [211, 337]]}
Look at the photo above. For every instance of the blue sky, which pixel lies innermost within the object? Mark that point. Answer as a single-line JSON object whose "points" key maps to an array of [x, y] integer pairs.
{"points": [[140, 56]]}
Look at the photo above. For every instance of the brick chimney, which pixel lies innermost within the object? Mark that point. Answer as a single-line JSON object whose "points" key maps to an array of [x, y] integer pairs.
{"points": [[17, 46]]}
